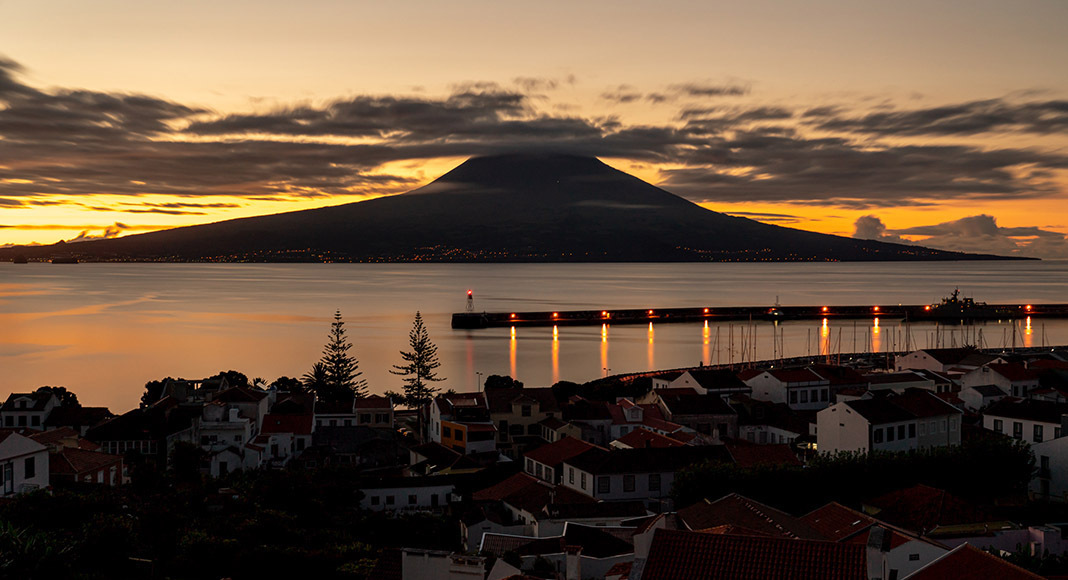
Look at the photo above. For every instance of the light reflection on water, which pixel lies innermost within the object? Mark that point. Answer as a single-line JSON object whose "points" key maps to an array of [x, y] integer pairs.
{"points": [[105, 329]]}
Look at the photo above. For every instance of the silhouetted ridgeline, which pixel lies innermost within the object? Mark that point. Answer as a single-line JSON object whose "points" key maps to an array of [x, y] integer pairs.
{"points": [[506, 208]]}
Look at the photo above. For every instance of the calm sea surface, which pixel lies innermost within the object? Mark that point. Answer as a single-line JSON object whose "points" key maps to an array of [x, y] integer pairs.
{"points": [[103, 330]]}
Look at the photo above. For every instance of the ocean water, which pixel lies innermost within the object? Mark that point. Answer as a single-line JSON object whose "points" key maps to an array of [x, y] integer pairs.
{"points": [[103, 330]]}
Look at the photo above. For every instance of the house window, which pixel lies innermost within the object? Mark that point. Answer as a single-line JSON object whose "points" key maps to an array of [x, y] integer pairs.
{"points": [[998, 425], [878, 435], [815, 395], [604, 485], [9, 421], [952, 424], [537, 471], [1037, 434], [35, 421], [582, 480], [628, 483], [459, 435], [914, 557], [823, 395], [412, 499], [502, 427], [375, 500], [1043, 462], [912, 430], [654, 482], [530, 465], [333, 422], [804, 396], [923, 429], [1017, 429], [889, 434], [348, 422], [382, 418], [525, 411], [365, 418], [446, 431], [793, 397], [900, 431], [22, 420], [29, 468], [571, 475], [763, 437]]}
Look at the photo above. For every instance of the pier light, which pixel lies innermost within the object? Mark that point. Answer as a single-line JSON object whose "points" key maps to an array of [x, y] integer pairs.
{"points": [[1028, 308], [928, 307], [470, 292], [513, 315], [706, 311], [825, 309], [650, 313], [875, 308], [604, 313], [556, 314]]}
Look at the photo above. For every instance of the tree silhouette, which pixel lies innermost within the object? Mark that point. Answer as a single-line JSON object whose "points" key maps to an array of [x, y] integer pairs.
{"points": [[66, 398], [420, 363], [342, 374]]}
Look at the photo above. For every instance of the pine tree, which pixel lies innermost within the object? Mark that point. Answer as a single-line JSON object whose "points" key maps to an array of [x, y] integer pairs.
{"points": [[419, 367], [342, 370]]}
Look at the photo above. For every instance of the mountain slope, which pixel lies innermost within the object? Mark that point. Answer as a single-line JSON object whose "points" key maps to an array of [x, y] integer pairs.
{"points": [[529, 207]]}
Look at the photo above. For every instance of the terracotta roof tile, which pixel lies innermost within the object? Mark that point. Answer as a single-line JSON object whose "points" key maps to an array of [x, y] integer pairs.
{"points": [[678, 555], [553, 454], [640, 438], [966, 562], [741, 511]]}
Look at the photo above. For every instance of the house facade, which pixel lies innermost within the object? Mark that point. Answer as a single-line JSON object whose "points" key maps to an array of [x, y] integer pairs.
{"points": [[23, 464]]}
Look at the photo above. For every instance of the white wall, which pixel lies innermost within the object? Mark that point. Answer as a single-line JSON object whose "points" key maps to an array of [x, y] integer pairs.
{"points": [[15, 450], [840, 428], [423, 497], [1049, 430]]}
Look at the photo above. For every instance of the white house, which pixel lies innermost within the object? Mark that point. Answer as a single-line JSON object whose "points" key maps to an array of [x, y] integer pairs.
{"points": [[899, 381], [633, 474], [23, 464], [978, 397], [1029, 420], [1051, 479], [958, 360], [408, 493], [801, 389], [915, 420], [1014, 379], [27, 410]]}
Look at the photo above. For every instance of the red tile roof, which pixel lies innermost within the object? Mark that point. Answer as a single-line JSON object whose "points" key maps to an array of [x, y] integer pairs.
{"points": [[966, 562], [73, 461], [296, 424], [837, 522], [678, 555], [921, 508], [559, 451], [373, 402], [639, 438], [1013, 372], [741, 511], [506, 488]]}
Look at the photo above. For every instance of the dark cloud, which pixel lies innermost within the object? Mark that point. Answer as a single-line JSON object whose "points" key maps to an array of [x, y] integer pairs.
{"points": [[975, 234], [69, 142], [704, 90], [767, 217], [1043, 117]]}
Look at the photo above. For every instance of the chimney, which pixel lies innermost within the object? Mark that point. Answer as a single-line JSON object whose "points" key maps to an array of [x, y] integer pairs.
{"points": [[573, 569]]}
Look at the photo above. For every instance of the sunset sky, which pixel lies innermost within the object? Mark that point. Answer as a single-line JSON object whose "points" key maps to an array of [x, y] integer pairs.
{"points": [[939, 122]]}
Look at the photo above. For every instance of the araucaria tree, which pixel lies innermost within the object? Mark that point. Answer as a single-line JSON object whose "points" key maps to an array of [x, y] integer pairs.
{"points": [[341, 371], [419, 366]]}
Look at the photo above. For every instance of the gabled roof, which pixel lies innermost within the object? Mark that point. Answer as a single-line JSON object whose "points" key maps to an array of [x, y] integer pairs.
{"points": [[553, 423], [953, 356], [1013, 372], [679, 555], [507, 487], [39, 401], [240, 394], [1028, 409], [923, 404], [966, 562], [921, 508], [836, 522], [694, 404], [600, 462], [641, 438], [77, 416], [500, 400], [796, 376], [373, 402], [295, 424], [718, 380], [63, 436], [734, 509], [838, 375], [553, 454], [747, 454], [652, 417], [896, 378], [990, 391], [72, 461], [879, 411]]}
